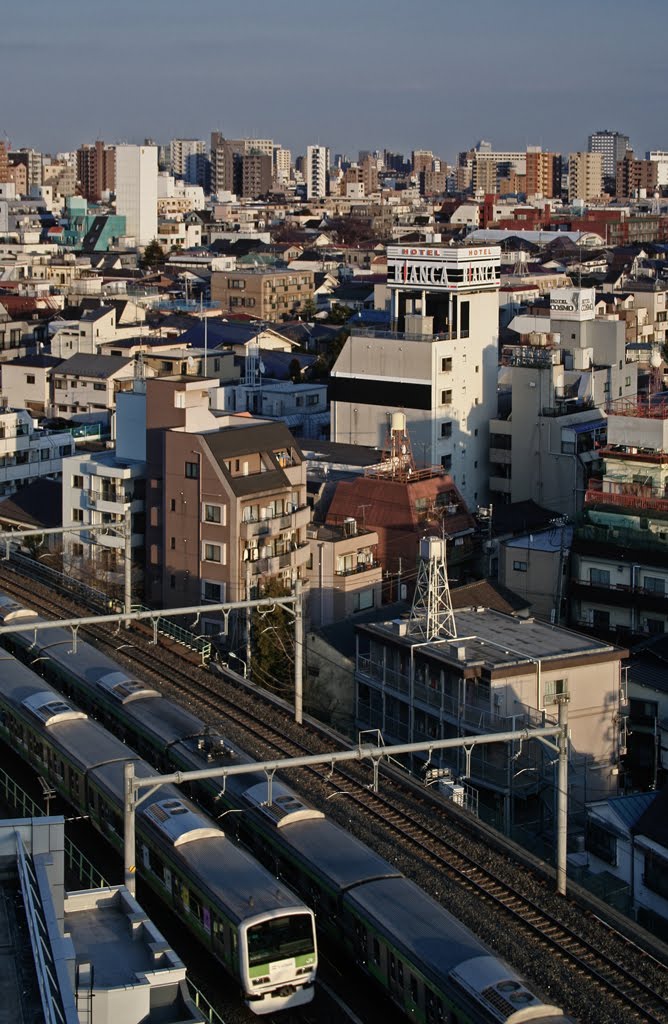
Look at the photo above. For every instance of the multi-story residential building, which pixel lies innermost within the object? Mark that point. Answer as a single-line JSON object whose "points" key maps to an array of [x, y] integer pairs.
{"points": [[282, 164], [636, 176], [268, 293], [256, 174], [585, 176], [180, 151], [620, 552], [137, 191], [226, 500], [315, 171], [27, 383], [4, 163], [100, 489], [32, 161], [96, 170], [27, 453], [545, 446], [496, 673], [422, 160], [85, 386], [438, 364], [612, 146], [543, 175], [660, 158], [344, 573]]}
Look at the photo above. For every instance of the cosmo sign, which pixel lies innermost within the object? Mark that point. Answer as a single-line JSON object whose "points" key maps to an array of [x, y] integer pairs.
{"points": [[441, 268]]}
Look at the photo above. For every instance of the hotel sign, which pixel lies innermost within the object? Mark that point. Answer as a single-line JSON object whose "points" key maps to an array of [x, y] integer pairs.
{"points": [[442, 268], [573, 304]]}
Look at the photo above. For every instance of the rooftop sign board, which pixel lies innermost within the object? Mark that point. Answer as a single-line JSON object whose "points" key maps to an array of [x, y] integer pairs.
{"points": [[572, 304], [443, 268]]}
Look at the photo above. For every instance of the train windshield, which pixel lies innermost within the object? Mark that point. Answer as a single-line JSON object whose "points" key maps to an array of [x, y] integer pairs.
{"points": [[280, 938]]}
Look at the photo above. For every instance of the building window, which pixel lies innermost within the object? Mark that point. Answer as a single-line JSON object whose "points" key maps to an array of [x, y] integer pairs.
{"points": [[77, 515], [446, 461], [627, 382], [446, 397], [172, 505], [212, 591], [655, 875], [446, 429], [599, 577], [172, 544], [654, 584], [364, 599], [214, 514], [446, 364], [213, 552], [30, 378], [519, 566], [601, 842], [172, 582], [192, 470], [553, 689], [77, 482], [655, 626]]}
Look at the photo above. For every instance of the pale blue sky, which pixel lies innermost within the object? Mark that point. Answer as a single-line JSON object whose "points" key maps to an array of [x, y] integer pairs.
{"points": [[351, 74]]}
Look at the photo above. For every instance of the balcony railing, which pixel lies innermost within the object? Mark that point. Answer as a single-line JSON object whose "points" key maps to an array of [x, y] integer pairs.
{"points": [[259, 527], [595, 495], [360, 567]]}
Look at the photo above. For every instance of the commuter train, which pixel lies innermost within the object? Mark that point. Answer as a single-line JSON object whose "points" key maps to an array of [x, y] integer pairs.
{"points": [[254, 925], [429, 963]]}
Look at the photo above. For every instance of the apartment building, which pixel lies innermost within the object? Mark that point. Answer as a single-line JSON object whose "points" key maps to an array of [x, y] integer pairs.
{"points": [[344, 573], [585, 176], [316, 171], [267, 293], [496, 673], [611, 146], [85, 386], [438, 365], [27, 453], [619, 581], [634, 177], [256, 175], [181, 150], [27, 383], [137, 191], [545, 445], [543, 174], [226, 500], [96, 170]]}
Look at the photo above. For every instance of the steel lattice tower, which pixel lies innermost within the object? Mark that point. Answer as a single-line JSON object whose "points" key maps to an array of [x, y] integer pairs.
{"points": [[432, 615]]}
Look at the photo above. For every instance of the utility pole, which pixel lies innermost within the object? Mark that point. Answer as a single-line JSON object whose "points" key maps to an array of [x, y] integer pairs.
{"points": [[129, 827], [299, 651], [562, 793], [127, 532]]}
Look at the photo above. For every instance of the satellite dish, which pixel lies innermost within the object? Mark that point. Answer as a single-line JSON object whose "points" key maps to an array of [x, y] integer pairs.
{"points": [[655, 360], [261, 367], [191, 363]]}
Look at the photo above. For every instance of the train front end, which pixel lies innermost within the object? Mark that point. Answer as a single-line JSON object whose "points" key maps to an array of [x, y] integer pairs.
{"points": [[278, 959]]}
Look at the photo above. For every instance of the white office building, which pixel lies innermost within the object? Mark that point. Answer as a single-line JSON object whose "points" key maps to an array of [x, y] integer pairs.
{"points": [[137, 191], [439, 366], [181, 150], [315, 172]]}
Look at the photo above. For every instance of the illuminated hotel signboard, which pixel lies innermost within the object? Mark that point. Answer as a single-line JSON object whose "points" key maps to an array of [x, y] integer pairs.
{"points": [[443, 269]]}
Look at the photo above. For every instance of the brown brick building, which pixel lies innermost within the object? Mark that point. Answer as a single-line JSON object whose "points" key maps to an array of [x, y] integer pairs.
{"points": [[225, 500], [96, 170], [268, 294], [633, 175]]}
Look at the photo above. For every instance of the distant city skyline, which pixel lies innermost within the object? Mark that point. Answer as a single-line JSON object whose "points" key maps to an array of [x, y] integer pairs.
{"points": [[369, 75]]}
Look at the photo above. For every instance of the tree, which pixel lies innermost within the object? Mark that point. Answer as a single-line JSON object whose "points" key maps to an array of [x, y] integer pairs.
{"points": [[272, 643], [295, 371], [154, 255], [339, 314], [308, 310]]}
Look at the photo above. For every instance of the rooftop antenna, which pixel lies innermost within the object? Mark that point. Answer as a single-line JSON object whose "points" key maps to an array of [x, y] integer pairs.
{"points": [[432, 615]]}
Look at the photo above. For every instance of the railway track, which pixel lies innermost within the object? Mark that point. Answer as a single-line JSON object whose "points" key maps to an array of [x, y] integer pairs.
{"points": [[606, 962]]}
